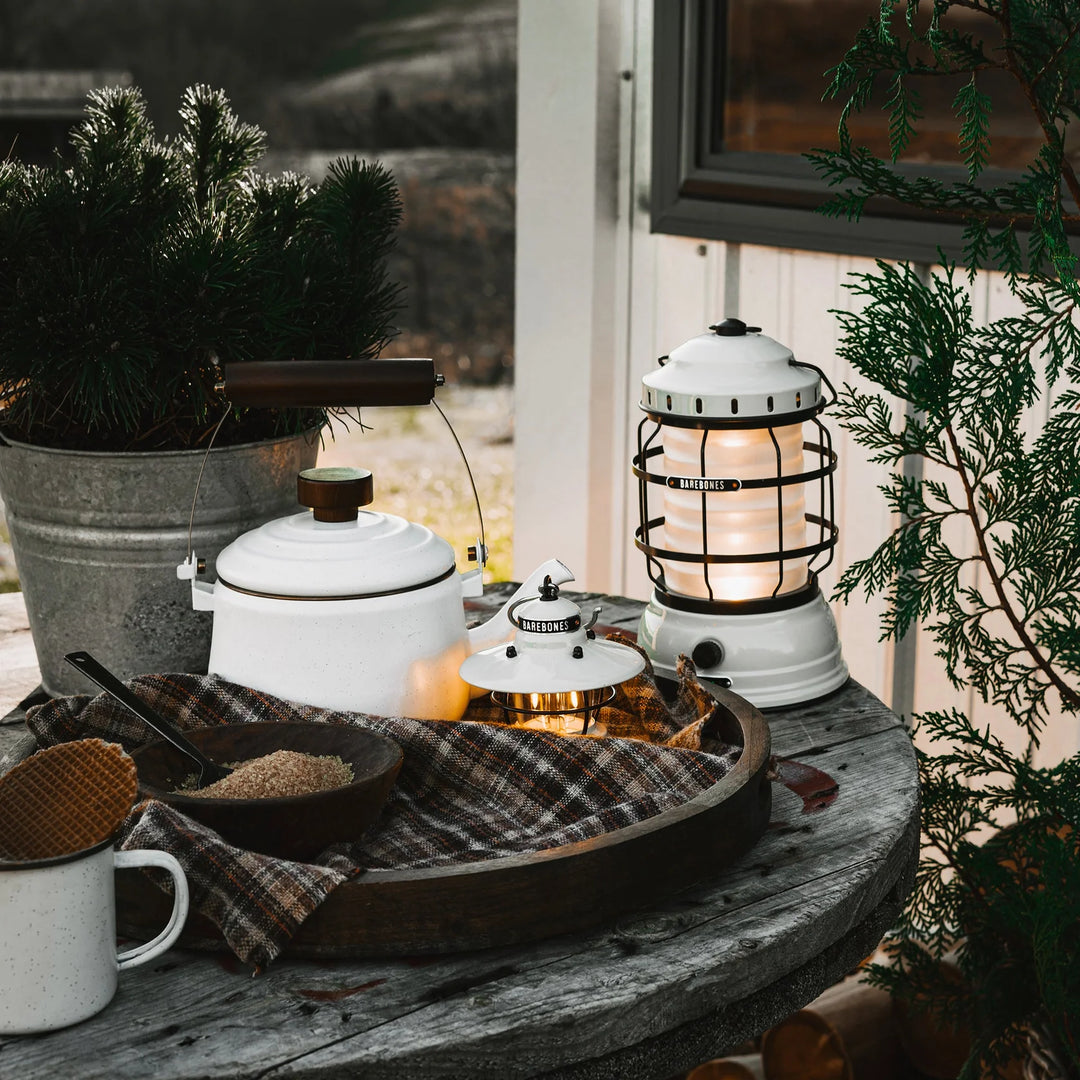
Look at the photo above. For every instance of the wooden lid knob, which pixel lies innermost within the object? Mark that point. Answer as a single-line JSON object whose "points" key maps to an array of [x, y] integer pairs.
{"points": [[335, 494]]}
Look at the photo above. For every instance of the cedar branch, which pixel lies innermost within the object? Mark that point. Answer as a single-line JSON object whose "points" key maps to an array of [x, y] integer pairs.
{"points": [[1068, 694], [1052, 59], [1050, 133]]}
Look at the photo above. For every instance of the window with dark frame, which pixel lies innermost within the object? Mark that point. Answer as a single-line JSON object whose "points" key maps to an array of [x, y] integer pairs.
{"points": [[737, 101]]}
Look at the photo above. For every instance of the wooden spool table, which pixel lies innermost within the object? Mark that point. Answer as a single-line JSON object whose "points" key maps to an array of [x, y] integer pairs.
{"points": [[645, 996]]}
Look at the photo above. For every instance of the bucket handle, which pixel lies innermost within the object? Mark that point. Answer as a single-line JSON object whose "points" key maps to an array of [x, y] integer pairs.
{"points": [[202, 469]]}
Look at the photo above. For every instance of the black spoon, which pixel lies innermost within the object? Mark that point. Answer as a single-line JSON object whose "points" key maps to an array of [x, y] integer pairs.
{"points": [[209, 771]]}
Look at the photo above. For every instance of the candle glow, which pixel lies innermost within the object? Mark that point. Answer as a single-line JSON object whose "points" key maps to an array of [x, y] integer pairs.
{"points": [[738, 522], [562, 712]]}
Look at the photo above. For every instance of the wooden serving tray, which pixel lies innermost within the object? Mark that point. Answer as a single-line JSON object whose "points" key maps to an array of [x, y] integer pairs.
{"points": [[523, 897]]}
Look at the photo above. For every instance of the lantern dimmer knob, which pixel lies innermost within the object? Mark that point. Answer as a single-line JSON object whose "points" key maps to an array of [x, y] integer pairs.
{"points": [[707, 654]]}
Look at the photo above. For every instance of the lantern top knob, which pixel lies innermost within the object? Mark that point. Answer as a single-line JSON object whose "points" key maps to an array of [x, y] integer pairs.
{"points": [[549, 590], [546, 613], [733, 328]]}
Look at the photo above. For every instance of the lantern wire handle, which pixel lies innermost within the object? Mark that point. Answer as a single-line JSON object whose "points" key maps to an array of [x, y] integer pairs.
{"points": [[481, 555], [821, 374]]}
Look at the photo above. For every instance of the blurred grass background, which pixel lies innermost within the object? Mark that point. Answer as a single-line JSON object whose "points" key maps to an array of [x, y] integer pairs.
{"points": [[419, 474]]}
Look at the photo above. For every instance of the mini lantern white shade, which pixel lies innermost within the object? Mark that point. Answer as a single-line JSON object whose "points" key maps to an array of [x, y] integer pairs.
{"points": [[747, 517], [555, 675]]}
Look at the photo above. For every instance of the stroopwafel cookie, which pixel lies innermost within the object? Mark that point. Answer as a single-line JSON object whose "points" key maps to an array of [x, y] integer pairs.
{"points": [[65, 799]]}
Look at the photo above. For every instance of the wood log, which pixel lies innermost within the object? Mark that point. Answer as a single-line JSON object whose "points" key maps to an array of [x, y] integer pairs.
{"points": [[862, 1016], [804, 1047], [934, 1048], [845, 1034], [743, 1067]]}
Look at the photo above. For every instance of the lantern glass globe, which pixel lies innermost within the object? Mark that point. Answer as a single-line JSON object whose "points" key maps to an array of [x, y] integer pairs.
{"points": [[742, 522]]}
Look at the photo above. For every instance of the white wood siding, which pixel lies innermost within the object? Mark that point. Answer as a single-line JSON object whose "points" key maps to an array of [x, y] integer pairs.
{"points": [[599, 298]]}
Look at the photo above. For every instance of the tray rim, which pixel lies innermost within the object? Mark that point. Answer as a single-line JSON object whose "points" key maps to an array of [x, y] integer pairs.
{"points": [[744, 792]]}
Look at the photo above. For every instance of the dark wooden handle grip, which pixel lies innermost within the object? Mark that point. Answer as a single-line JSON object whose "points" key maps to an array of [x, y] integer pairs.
{"points": [[331, 383]]}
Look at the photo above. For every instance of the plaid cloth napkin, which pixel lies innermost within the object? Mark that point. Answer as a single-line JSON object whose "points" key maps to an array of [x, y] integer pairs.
{"points": [[467, 791]]}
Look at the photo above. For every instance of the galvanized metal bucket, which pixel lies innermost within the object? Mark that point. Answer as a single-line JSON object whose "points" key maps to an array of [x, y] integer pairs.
{"points": [[97, 538]]}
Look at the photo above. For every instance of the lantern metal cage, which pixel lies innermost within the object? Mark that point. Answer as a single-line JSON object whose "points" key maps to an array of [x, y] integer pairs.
{"points": [[558, 712], [740, 598], [710, 485]]}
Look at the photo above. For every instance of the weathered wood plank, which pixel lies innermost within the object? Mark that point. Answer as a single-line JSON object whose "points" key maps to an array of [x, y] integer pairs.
{"points": [[510, 1032], [803, 731], [810, 881]]}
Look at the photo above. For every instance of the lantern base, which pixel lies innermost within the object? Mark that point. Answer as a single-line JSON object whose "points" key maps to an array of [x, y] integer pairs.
{"points": [[770, 658]]}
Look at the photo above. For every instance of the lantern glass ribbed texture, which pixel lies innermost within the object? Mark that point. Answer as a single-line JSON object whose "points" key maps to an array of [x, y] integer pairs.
{"points": [[738, 522]]}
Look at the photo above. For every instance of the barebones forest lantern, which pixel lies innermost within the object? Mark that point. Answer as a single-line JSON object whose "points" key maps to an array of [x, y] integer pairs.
{"points": [[556, 675], [747, 519]]}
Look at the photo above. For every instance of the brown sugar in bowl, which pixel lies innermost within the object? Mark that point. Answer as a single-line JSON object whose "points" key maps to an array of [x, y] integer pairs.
{"points": [[290, 827]]}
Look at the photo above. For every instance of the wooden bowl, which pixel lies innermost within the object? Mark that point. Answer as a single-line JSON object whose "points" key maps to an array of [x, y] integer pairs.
{"points": [[293, 827]]}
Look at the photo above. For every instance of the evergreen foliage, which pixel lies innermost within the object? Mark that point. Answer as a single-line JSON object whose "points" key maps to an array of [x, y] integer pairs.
{"points": [[129, 276], [1004, 607]]}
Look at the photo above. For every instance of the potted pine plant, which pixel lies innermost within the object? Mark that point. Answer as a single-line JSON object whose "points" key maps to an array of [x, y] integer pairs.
{"points": [[129, 276], [998, 886]]}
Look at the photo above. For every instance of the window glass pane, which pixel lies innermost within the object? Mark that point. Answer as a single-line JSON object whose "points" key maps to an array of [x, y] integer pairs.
{"points": [[770, 87]]}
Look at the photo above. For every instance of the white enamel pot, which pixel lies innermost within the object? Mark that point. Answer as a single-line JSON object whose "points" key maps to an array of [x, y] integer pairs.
{"points": [[363, 614]]}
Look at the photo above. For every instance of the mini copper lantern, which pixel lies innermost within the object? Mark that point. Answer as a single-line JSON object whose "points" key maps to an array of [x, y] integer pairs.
{"points": [[555, 676], [747, 518]]}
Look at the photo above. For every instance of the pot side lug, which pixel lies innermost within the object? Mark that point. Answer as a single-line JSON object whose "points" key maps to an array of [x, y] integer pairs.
{"points": [[202, 592]]}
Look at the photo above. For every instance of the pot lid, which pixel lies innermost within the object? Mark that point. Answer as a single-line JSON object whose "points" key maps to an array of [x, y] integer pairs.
{"points": [[735, 373], [298, 556]]}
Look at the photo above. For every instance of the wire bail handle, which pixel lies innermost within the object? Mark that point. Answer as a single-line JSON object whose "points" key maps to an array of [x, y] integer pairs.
{"points": [[283, 384]]}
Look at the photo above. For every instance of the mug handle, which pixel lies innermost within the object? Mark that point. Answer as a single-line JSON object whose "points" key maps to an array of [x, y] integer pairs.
{"points": [[124, 860]]}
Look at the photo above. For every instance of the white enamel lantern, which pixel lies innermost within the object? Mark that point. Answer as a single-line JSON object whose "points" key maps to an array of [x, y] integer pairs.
{"points": [[747, 517], [555, 675]]}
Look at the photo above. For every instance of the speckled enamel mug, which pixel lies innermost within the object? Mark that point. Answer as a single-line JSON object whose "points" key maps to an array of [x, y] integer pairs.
{"points": [[58, 955]]}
